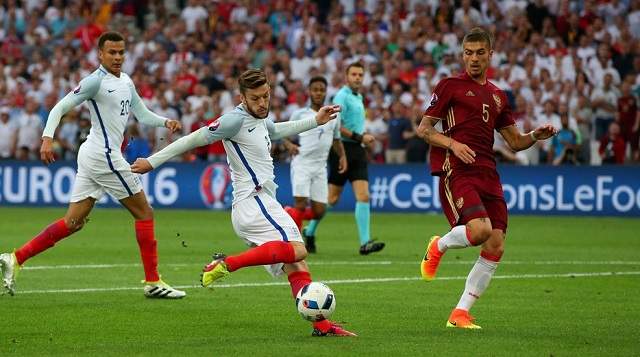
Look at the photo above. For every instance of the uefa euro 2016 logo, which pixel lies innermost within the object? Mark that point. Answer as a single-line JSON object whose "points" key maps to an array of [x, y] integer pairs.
{"points": [[214, 182]]}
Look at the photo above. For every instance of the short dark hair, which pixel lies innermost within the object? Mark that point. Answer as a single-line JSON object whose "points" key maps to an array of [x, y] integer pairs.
{"points": [[251, 79], [109, 36], [320, 79], [355, 64], [478, 34]]}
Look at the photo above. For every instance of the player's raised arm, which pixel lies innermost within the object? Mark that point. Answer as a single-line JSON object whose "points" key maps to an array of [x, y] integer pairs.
{"points": [[87, 88], [147, 117], [282, 130], [519, 141], [225, 127]]}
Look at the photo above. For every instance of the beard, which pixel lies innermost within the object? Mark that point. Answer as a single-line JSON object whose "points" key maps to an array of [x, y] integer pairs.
{"points": [[254, 114]]}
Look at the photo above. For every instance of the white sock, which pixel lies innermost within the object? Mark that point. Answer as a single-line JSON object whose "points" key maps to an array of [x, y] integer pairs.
{"points": [[477, 282], [456, 238]]}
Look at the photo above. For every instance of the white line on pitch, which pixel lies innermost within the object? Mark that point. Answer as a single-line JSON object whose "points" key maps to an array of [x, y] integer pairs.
{"points": [[378, 262], [344, 281]]}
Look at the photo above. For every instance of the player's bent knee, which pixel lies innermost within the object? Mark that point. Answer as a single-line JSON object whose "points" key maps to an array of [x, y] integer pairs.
{"points": [[300, 251], [74, 224], [480, 233]]}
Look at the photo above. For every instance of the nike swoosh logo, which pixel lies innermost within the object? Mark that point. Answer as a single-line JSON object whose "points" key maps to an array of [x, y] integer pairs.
{"points": [[111, 90], [252, 129]]}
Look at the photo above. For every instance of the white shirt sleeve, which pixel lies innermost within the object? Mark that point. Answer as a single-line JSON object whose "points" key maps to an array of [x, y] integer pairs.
{"points": [[227, 126], [282, 130], [142, 113], [87, 88]]}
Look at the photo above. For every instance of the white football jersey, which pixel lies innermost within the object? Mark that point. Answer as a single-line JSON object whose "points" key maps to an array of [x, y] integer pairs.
{"points": [[247, 141], [110, 99], [315, 143]]}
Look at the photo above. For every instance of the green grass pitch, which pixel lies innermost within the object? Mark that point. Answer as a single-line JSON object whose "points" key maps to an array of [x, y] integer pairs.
{"points": [[567, 286]]}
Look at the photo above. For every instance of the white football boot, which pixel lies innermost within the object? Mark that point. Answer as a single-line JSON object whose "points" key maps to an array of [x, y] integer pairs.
{"points": [[162, 290], [9, 267]]}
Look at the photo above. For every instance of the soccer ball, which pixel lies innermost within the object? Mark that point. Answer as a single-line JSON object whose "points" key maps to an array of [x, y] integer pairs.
{"points": [[315, 302]]}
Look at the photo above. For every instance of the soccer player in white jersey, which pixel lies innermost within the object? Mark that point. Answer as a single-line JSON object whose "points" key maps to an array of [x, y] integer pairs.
{"points": [[111, 94], [257, 217], [309, 164]]}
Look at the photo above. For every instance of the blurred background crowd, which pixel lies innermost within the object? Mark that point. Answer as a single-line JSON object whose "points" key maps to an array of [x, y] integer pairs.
{"points": [[571, 63]]}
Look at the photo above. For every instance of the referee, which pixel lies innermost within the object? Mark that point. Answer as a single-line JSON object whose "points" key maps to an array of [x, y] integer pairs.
{"points": [[352, 117]]}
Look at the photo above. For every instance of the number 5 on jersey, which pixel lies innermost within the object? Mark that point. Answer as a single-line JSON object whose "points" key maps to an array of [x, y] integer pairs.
{"points": [[485, 112]]}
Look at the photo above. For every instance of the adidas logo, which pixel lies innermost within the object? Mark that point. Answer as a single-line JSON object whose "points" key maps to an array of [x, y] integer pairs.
{"points": [[470, 94]]}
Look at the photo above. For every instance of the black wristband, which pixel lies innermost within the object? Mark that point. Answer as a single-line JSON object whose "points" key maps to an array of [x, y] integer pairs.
{"points": [[357, 137]]}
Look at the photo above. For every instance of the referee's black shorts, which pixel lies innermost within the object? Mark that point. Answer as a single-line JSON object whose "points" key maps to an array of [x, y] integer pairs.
{"points": [[356, 161]]}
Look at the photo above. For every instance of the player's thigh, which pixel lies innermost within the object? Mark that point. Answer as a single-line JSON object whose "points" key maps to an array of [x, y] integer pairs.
{"points": [[301, 178], [259, 219], [118, 180], [84, 187], [319, 188], [138, 206], [461, 201], [492, 197]]}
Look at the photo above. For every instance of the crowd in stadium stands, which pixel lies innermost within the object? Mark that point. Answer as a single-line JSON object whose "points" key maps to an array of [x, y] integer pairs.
{"points": [[571, 63]]}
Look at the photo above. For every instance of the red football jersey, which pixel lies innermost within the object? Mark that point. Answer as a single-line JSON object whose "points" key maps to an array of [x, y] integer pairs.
{"points": [[469, 112]]}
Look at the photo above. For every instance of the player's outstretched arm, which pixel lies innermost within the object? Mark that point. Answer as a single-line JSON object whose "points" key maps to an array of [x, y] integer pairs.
{"points": [[225, 127], [519, 141], [282, 130], [147, 117], [428, 133]]}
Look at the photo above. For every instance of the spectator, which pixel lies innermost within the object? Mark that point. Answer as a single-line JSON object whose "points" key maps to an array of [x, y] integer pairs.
{"points": [[628, 118], [612, 147], [67, 136], [399, 132], [584, 117], [376, 125], [563, 145], [604, 100], [7, 135], [29, 132]]}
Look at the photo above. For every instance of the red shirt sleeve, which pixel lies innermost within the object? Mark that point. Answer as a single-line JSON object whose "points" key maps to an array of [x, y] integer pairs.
{"points": [[440, 98], [505, 118]]}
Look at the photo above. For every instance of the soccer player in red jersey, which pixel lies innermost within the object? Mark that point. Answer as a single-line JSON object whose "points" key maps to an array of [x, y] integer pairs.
{"points": [[471, 108]]}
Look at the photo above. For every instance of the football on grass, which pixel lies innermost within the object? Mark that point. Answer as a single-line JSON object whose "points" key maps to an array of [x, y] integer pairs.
{"points": [[315, 302]]}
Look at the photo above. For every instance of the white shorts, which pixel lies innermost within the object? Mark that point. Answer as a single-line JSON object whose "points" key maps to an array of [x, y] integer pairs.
{"points": [[99, 172], [310, 181], [259, 219]]}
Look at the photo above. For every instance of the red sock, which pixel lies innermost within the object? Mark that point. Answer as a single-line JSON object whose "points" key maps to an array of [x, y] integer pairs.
{"points": [[269, 253], [148, 249], [298, 280], [308, 214], [296, 215], [43, 241], [493, 258]]}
